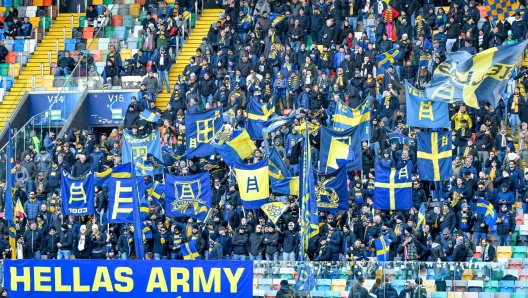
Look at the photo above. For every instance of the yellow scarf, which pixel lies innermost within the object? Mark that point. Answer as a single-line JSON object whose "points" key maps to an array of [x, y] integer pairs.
{"points": [[492, 174], [387, 102], [515, 107]]}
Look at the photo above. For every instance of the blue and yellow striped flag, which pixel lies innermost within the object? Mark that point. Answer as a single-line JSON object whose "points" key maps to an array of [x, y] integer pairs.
{"points": [[388, 58], [289, 185], [189, 251], [149, 116], [346, 118], [8, 200], [421, 218], [382, 248], [309, 218]]}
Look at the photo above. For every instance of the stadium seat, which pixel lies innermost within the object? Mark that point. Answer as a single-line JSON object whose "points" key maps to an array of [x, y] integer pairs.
{"points": [[47, 81], [88, 32], [524, 230], [22, 58], [504, 252], [390, 273], [507, 286], [271, 293], [471, 295], [455, 295], [521, 286], [31, 11], [264, 284], [475, 285], [285, 273], [467, 275], [343, 273], [4, 69], [502, 295], [523, 274], [518, 295], [275, 285], [11, 57], [486, 295], [430, 285], [8, 82], [19, 45], [120, 32], [338, 284], [519, 219], [519, 252], [515, 263], [259, 293], [439, 295], [132, 42], [14, 70], [317, 294], [332, 294], [343, 294], [134, 10], [491, 286], [497, 274], [460, 285], [117, 20], [322, 284], [128, 21], [478, 252], [512, 272]]}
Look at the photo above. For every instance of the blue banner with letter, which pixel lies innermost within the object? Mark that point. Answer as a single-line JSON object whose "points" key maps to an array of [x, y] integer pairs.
{"points": [[141, 147], [183, 190], [201, 129], [125, 279], [329, 191], [58, 107], [105, 108], [78, 194], [423, 112], [120, 197]]}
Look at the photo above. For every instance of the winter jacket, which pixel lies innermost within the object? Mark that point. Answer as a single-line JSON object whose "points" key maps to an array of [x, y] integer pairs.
{"points": [[32, 209], [66, 240], [271, 241], [240, 242], [33, 240], [290, 241], [87, 250], [460, 253], [256, 245]]}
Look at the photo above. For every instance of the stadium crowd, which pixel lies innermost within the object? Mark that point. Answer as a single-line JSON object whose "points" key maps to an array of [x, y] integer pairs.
{"points": [[248, 55]]}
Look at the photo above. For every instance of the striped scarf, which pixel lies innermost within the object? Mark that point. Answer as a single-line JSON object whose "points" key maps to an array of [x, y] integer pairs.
{"points": [[211, 246], [358, 195], [429, 241], [370, 187], [176, 239], [464, 222]]}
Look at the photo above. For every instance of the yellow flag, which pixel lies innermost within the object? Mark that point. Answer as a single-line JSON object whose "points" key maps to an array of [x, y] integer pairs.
{"points": [[338, 153], [253, 183], [243, 145]]}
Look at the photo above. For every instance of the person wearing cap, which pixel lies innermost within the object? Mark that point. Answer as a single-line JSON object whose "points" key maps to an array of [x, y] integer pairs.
{"points": [[324, 252], [49, 247], [290, 239], [505, 223], [164, 243], [163, 64], [225, 240], [285, 291], [125, 244], [505, 196], [271, 242], [447, 218], [65, 243], [465, 221], [83, 246], [240, 241], [411, 249]]}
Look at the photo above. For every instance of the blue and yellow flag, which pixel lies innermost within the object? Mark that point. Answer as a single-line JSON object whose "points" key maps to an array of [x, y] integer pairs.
{"points": [[196, 210], [277, 168], [257, 114], [77, 194], [349, 137], [470, 79], [500, 10], [276, 18], [123, 190], [309, 218], [382, 248], [398, 138], [8, 198], [388, 58], [330, 191], [200, 130], [120, 171], [237, 149], [181, 191], [246, 21], [156, 190], [287, 186], [170, 152], [274, 210], [422, 112], [134, 147], [486, 208], [253, 183], [434, 155], [346, 118], [391, 184], [138, 192], [305, 279], [340, 154], [144, 167], [189, 251], [149, 116], [276, 122], [420, 224], [427, 61]]}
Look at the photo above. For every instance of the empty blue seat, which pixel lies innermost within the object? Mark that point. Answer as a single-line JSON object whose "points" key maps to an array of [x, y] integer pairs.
{"points": [[506, 286], [323, 284], [398, 284], [19, 45], [70, 44], [8, 3], [8, 84], [121, 32]]}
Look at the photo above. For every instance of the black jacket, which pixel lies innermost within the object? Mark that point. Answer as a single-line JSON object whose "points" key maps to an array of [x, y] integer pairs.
{"points": [[33, 240], [271, 241], [66, 240], [255, 244], [460, 253], [240, 242]]}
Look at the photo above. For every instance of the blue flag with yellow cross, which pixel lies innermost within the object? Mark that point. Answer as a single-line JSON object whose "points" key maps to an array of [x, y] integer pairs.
{"points": [[382, 248], [470, 79], [346, 117], [253, 183], [434, 155], [391, 184], [389, 57], [422, 112], [200, 131]]}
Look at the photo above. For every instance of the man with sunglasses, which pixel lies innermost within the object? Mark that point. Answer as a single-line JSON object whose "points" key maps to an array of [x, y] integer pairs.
{"points": [[255, 244]]}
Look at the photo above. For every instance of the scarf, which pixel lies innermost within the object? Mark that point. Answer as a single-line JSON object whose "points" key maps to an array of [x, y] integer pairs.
{"points": [[419, 27], [464, 223], [466, 151], [324, 56], [397, 230], [370, 187], [485, 253], [456, 197], [53, 173], [492, 174], [429, 241], [129, 239], [320, 252], [330, 233], [82, 241], [435, 224], [351, 10], [387, 102], [162, 238], [358, 195], [515, 106], [505, 219], [503, 140], [211, 246], [40, 224]]}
